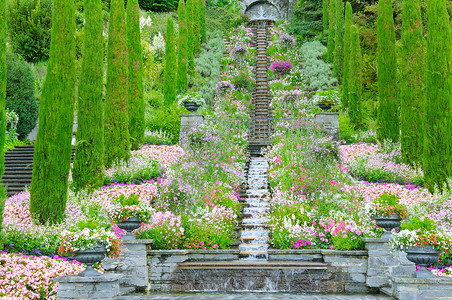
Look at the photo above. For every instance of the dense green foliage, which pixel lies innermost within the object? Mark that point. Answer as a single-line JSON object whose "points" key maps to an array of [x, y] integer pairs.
{"points": [[116, 120], [135, 100], [202, 20], [169, 85], [339, 40], [20, 93], [329, 56], [158, 5], [354, 78], [167, 120], [388, 116], [220, 18], [412, 86], [2, 103], [29, 25], [53, 148], [347, 49], [325, 14], [196, 30], [89, 157], [307, 20], [437, 118], [182, 50], [190, 36]]}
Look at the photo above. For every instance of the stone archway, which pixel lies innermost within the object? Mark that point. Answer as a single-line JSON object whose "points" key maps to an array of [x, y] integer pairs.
{"points": [[266, 9]]}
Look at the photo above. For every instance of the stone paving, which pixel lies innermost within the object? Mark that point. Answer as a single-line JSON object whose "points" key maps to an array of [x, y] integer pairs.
{"points": [[253, 296]]}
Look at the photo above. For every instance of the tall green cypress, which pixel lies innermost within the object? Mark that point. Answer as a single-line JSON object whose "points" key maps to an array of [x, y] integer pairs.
{"points": [[182, 50], [325, 14], [412, 85], [347, 49], [116, 122], [196, 29], [53, 150], [355, 85], [89, 158], [438, 107], [2, 103], [388, 116], [202, 20], [190, 38], [339, 40], [169, 84], [331, 31], [135, 98]]}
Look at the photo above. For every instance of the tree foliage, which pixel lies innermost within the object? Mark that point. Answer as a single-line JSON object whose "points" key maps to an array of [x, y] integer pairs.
{"points": [[116, 122], [190, 36], [329, 56], [354, 78], [388, 116], [347, 49], [437, 109], [2, 103], [325, 14], [339, 40], [182, 50], [196, 29], [53, 148], [169, 84], [89, 156], [202, 20]]}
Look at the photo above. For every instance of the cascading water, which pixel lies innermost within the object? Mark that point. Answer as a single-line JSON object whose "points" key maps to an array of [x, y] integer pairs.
{"points": [[254, 235]]}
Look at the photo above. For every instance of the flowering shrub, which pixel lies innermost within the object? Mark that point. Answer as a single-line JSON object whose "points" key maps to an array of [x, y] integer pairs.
{"points": [[31, 277], [224, 86], [280, 68], [165, 228], [124, 208], [330, 97], [191, 97], [165, 155], [387, 205], [137, 169]]}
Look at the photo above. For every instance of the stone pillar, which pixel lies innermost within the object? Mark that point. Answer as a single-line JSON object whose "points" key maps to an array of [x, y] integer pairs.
{"points": [[101, 287], [329, 121], [187, 122], [381, 259], [405, 288], [132, 264]]}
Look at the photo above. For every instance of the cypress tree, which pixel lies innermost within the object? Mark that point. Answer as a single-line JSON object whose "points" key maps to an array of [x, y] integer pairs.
{"points": [[331, 31], [2, 104], [89, 158], [189, 40], [437, 109], [182, 50], [347, 49], [354, 79], [169, 84], [388, 117], [339, 40], [412, 87], [53, 150], [116, 123], [135, 99], [196, 29], [202, 20], [325, 14]]}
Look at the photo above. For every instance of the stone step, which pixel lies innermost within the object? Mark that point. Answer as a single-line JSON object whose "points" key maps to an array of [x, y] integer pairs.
{"points": [[253, 254], [241, 264]]}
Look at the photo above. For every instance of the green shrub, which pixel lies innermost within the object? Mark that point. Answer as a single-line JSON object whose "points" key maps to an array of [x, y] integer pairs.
{"points": [[158, 5], [29, 25], [157, 138], [20, 94], [166, 119]]}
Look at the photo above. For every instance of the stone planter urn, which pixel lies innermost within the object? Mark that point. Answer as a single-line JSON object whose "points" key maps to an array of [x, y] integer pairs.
{"points": [[387, 223], [130, 225], [325, 107], [90, 257], [424, 256], [191, 106]]}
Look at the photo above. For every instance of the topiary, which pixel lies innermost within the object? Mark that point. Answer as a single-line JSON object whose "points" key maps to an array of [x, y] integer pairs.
{"points": [[20, 94]]}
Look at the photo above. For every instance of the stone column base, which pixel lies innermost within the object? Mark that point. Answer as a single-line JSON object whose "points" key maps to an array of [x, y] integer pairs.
{"points": [[101, 287], [186, 123], [329, 121]]}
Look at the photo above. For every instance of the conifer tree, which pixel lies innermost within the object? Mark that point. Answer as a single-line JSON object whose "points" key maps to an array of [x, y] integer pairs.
{"points": [[347, 49], [388, 116], [53, 150], [339, 40], [355, 85], [190, 42], [116, 124], [412, 92], [202, 20], [169, 84], [325, 14], [182, 50], [89, 158], [196, 29], [437, 109], [2, 104], [331, 31], [135, 98]]}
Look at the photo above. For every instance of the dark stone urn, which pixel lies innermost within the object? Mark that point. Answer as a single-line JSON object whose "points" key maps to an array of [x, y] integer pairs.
{"points": [[325, 107], [130, 225], [191, 106], [387, 223], [90, 257], [424, 256]]}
